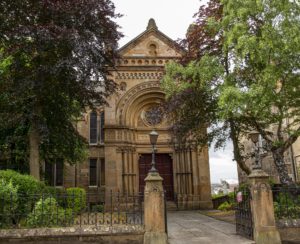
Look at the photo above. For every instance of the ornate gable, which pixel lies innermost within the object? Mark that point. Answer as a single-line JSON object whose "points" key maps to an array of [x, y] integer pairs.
{"points": [[151, 43]]}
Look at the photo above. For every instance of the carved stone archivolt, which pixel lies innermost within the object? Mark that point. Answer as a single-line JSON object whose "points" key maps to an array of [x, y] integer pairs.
{"points": [[133, 99]]}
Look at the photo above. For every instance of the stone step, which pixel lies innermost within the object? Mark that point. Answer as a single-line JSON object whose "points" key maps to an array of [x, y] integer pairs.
{"points": [[171, 206]]}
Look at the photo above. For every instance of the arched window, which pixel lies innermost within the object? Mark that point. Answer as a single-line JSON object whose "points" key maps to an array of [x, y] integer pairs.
{"points": [[96, 127], [93, 128], [101, 127]]}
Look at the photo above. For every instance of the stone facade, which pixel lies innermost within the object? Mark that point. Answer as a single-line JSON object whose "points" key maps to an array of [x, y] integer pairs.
{"points": [[133, 112]]}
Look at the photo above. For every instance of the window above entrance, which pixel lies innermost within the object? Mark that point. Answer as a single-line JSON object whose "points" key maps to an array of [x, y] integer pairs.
{"points": [[153, 115]]}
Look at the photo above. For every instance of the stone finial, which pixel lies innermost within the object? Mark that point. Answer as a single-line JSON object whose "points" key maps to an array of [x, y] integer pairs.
{"points": [[151, 24]]}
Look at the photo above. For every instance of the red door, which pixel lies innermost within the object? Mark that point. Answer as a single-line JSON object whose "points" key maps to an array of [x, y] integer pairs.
{"points": [[163, 163]]}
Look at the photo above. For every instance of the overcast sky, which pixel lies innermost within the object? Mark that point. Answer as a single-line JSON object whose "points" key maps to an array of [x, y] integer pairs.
{"points": [[172, 17]]}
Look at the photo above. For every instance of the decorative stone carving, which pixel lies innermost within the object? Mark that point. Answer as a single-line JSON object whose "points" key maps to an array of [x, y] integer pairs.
{"points": [[123, 86], [139, 75], [153, 116]]}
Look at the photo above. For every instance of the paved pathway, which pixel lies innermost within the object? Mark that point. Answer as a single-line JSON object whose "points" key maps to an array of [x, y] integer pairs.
{"points": [[191, 227]]}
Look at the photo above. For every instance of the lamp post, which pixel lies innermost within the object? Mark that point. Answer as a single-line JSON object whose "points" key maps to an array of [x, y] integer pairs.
{"points": [[153, 139], [254, 136]]}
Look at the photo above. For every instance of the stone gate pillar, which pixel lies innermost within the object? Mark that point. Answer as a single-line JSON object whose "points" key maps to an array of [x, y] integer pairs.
{"points": [[265, 231], [154, 210]]}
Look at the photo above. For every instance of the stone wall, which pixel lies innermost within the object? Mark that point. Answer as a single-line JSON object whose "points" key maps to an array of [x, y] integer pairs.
{"points": [[121, 234], [289, 230]]}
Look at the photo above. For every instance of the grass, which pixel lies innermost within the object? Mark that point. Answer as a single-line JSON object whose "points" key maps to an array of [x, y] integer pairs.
{"points": [[227, 216]]}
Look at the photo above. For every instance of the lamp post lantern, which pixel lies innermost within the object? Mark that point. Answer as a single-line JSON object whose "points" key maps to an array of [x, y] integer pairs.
{"points": [[153, 140]]}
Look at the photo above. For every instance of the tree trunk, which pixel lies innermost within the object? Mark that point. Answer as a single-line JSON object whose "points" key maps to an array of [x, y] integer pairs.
{"points": [[284, 177], [34, 142], [236, 150]]}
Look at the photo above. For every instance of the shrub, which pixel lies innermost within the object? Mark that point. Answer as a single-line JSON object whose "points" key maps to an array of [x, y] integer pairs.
{"points": [[215, 196], [53, 191], [8, 203], [98, 208], [27, 184], [231, 196], [76, 199], [225, 206], [287, 205], [47, 213], [28, 189]]}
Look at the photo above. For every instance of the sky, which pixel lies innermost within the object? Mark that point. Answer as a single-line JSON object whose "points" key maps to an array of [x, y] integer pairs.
{"points": [[173, 18]]}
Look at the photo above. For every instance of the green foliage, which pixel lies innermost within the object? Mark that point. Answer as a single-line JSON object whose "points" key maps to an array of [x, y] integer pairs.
{"points": [[192, 86], [287, 206], [215, 196], [256, 47], [262, 38], [53, 191], [76, 199], [26, 184], [55, 59], [22, 197], [225, 206], [8, 202], [98, 208], [48, 213], [28, 191]]}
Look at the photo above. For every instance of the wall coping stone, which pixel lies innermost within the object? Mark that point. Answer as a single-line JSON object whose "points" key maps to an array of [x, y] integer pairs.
{"points": [[73, 231], [288, 223]]}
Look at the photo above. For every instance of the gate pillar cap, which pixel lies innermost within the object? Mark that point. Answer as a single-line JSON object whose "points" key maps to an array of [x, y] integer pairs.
{"points": [[153, 176]]}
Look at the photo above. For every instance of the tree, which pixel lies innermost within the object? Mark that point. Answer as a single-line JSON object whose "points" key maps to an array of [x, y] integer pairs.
{"points": [[256, 86], [60, 52], [262, 38], [197, 85]]}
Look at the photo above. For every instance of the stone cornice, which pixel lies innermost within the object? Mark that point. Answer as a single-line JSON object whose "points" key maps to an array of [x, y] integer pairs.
{"points": [[139, 75]]}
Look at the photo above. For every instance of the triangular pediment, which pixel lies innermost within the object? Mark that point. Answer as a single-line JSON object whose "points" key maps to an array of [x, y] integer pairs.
{"points": [[151, 42]]}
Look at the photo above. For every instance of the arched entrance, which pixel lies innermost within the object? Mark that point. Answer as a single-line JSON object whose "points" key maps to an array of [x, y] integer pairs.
{"points": [[163, 163]]}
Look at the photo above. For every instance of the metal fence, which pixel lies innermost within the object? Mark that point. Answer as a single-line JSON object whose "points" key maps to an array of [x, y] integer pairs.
{"points": [[286, 202], [70, 209], [243, 213]]}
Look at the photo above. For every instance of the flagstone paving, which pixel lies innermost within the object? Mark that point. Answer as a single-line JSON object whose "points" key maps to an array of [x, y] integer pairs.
{"points": [[191, 227]]}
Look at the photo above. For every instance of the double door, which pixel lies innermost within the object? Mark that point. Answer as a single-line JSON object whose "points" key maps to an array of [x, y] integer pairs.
{"points": [[163, 163]]}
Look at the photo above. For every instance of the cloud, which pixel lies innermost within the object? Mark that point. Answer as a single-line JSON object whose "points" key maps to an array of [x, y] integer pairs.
{"points": [[172, 17], [221, 164]]}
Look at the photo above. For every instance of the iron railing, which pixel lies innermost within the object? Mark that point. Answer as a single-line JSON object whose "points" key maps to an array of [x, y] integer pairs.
{"points": [[243, 213], [286, 202], [65, 209]]}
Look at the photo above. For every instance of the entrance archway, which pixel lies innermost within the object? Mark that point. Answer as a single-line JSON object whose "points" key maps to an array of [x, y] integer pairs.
{"points": [[164, 166]]}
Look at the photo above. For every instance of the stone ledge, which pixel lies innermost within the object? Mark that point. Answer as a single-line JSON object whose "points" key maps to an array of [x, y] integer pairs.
{"points": [[102, 230], [288, 223]]}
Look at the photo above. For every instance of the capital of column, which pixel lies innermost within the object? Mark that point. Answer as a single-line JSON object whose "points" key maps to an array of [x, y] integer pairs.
{"points": [[258, 176], [153, 176]]}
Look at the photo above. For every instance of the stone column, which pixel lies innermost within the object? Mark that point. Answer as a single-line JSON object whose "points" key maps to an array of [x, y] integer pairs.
{"points": [[204, 177], [154, 210], [119, 169], [265, 231]]}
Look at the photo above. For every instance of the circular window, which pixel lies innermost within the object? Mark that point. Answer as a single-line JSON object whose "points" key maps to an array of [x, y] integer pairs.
{"points": [[153, 115]]}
